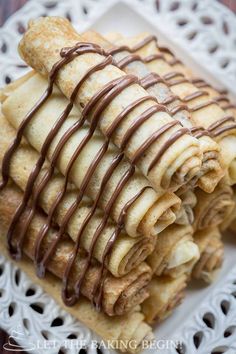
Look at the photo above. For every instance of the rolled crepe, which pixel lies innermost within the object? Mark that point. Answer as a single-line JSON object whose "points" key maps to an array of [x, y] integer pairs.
{"points": [[185, 215], [165, 295], [130, 332], [212, 209], [164, 151], [148, 214], [228, 144], [233, 222], [232, 226], [211, 254], [175, 252], [126, 252], [212, 170], [230, 221], [221, 97], [119, 295], [205, 112]]}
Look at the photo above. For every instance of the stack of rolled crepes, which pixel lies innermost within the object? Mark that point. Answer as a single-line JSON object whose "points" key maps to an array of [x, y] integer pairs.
{"points": [[211, 121], [115, 182]]}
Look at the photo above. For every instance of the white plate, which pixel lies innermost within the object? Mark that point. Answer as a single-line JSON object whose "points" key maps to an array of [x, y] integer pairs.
{"points": [[130, 17]]}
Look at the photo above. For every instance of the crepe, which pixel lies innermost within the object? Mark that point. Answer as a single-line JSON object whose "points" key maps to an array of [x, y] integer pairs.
{"points": [[230, 221], [220, 97], [212, 170], [149, 212], [212, 252], [116, 295], [177, 65], [126, 252], [205, 112], [233, 225], [175, 252], [165, 295], [212, 209], [233, 222], [164, 151], [185, 216]]}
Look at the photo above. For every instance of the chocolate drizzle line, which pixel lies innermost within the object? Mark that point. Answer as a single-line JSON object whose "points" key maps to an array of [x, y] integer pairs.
{"points": [[150, 80], [33, 190], [128, 60], [200, 83], [148, 40]]}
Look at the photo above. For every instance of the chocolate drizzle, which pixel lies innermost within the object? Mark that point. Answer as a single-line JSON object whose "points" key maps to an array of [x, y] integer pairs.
{"points": [[153, 57], [128, 60], [219, 128], [173, 61], [168, 79], [220, 99], [197, 81], [198, 132], [94, 107], [33, 190], [200, 83], [150, 80], [144, 42]]}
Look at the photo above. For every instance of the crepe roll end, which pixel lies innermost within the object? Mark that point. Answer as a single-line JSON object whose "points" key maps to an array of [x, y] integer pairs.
{"points": [[183, 253], [160, 215], [129, 253], [165, 295]]}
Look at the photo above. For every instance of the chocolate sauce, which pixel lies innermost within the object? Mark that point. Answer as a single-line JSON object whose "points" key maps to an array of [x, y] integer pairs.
{"points": [[153, 57], [128, 60], [229, 106], [150, 80], [215, 129], [223, 130], [95, 106], [34, 174], [199, 83], [219, 128], [179, 78], [170, 141], [144, 42], [198, 132], [172, 75], [33, 190], [170, 79], [203, 105], [173, 61], [177, 81], [221, 98]]}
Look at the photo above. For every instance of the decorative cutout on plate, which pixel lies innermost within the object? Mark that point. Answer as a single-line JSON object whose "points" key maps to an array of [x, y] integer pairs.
{"points": [[212, 329]]}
